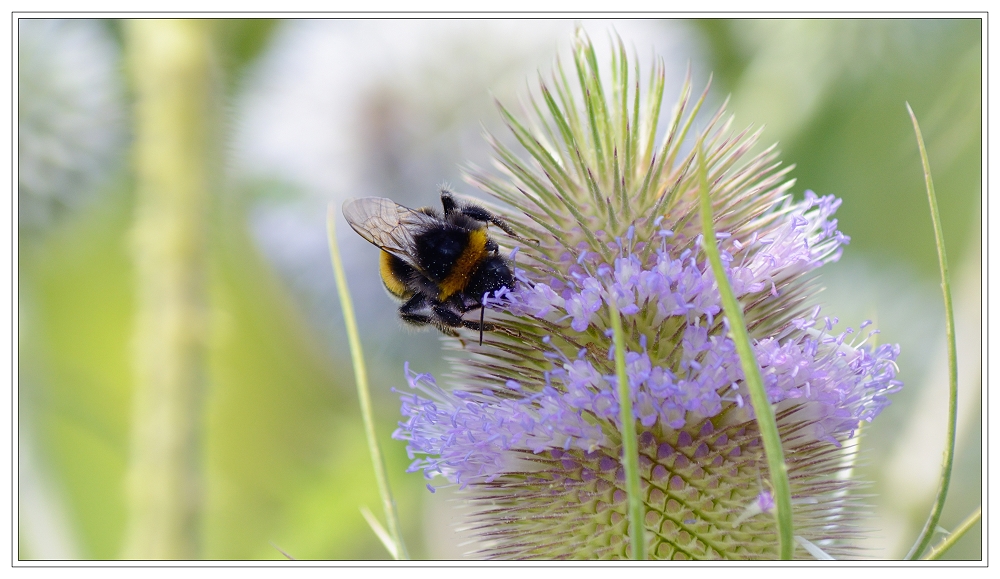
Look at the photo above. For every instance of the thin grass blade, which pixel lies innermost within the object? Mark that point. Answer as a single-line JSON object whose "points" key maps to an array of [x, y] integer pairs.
{"points": [[630, 441], [751, 371], [924, 538], [379, 531], [361, 380], [949, 541]]}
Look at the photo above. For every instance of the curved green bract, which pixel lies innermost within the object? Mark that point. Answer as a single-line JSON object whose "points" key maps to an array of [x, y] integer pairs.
{"points": [[751, 370], [924, 539], [630, 441], [957, 534]]}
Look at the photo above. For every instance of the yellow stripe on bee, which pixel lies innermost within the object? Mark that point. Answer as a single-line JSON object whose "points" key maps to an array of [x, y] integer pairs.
{"points": [[394, 285], [464, 266]]}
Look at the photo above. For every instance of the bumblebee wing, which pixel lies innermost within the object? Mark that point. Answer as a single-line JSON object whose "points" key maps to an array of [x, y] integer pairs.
{"points": [[386, 224]]}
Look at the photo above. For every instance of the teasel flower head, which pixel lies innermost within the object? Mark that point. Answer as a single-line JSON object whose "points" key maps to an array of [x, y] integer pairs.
{"points": [[529, 429]]}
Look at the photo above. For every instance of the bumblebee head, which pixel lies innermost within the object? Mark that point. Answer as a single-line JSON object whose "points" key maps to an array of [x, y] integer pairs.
{"points": [[492, 274]]}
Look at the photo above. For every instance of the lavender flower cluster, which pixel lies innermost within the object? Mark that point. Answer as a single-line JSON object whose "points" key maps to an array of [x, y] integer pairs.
{"points": [[467, 436]]}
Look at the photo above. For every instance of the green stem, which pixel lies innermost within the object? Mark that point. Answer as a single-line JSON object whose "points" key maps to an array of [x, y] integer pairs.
{"points": [[176, 166], [751, 371], [924, 539], [949, 541], [630, 441], [361, 380]]}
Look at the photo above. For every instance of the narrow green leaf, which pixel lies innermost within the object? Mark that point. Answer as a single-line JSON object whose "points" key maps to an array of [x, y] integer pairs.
{"points": [[949, 541], [379, 530], [924, 538], [361, 380], [766, 422], [630, 441]]}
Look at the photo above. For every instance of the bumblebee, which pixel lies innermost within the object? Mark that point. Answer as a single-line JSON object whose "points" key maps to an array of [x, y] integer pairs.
{"points": [[439, 265]]}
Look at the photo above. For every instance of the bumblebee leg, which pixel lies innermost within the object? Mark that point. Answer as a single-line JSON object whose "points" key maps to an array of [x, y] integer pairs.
{"points": [[408, 312], [417, 302], [453, 319], [416, 319], [448, 201], [448, 318], [420, 320], [478, 213]]}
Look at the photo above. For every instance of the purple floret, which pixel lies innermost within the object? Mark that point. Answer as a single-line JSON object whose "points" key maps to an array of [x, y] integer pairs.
{"points": [[469, 436]]}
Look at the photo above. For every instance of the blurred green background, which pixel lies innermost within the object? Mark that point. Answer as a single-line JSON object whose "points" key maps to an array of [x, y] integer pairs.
{"points": [[292, 115]]}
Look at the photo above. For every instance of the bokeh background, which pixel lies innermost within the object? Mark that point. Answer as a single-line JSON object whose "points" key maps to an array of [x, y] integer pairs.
{"points": [[301, 113]]}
